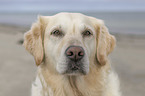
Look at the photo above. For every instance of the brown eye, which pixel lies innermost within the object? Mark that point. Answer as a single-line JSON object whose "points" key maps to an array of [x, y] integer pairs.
{"points": [[57, 33], [87, 33]]}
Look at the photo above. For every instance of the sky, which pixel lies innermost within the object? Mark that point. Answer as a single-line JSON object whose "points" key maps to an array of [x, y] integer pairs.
{"points": [[71, 5]]}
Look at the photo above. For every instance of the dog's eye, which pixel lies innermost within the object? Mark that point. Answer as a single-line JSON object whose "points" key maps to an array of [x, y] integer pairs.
{"points": [[87, 33], [57, 33]]}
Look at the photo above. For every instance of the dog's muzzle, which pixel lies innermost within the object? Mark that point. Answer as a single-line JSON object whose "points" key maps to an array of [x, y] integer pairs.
{"points": [[75, 55]]}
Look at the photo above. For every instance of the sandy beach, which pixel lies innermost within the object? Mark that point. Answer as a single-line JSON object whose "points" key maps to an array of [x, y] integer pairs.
{"points": [[17, 66]]}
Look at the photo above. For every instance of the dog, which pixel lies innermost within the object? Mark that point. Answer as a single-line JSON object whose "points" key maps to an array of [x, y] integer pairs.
{"points": [[71, 51]]}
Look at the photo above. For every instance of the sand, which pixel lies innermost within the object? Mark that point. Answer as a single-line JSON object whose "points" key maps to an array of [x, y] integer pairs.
{"points": [[17, 66]]}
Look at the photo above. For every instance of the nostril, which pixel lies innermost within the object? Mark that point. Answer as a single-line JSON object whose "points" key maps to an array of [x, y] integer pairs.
{"points": [[80, 54], [70, 53]]}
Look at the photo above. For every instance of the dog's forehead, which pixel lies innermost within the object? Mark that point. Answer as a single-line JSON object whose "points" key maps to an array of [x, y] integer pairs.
{"points": [[72, 21], [70, 18]]}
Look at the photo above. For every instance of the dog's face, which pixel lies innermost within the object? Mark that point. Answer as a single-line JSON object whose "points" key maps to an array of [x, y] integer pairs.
{"points": [[69, 42]]}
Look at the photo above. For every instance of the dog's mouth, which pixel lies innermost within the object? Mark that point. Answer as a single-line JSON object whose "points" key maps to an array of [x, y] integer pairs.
{"points": [[70, 67], [75, 68]]}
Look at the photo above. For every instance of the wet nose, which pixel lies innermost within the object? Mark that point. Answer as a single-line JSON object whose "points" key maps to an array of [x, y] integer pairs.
{"points": [[74, 53]]}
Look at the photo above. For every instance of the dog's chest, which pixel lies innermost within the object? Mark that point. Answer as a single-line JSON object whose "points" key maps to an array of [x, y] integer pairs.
{"points": [[70, 86], [71, 89], [40, 88]]}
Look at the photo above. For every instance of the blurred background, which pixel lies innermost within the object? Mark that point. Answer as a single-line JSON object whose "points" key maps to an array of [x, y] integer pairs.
{"points": [[124, 18]]}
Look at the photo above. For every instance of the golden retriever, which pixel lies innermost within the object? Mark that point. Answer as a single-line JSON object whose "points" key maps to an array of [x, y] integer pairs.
{"points": [[71, 51]]}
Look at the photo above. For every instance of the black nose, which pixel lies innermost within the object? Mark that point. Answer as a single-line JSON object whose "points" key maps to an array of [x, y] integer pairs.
{"points": [[74, 53]]}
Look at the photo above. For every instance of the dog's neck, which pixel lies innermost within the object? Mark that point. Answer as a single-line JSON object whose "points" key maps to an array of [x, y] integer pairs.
{"points": [[73, 85]]}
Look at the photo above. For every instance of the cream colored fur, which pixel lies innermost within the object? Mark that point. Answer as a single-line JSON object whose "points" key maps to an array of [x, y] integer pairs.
{"points": [[48, 51]]}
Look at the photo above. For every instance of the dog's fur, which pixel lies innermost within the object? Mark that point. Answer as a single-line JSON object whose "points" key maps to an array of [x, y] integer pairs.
{"points": [[48, 50]]}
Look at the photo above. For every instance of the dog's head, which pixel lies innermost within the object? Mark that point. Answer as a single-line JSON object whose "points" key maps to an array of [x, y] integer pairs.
{"points": [[68, 43]]}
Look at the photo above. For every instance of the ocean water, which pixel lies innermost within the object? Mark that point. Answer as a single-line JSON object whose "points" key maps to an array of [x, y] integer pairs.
{"points": [[117, 22]]}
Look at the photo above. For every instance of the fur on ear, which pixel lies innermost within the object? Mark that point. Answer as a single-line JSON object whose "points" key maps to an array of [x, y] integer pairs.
{"points": [[33, 40], [105, 44]]}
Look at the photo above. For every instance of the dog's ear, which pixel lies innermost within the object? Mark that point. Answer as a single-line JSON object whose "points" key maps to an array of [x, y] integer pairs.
{"points": [[105, 43], [33, 40]]}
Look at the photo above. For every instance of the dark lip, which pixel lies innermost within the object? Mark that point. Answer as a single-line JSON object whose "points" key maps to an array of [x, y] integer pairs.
{"points": [[75, 67]]}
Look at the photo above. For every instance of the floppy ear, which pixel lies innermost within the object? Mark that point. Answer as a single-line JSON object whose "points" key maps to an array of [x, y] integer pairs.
{"points": [[105, 44], [33, 40]]}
